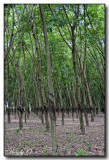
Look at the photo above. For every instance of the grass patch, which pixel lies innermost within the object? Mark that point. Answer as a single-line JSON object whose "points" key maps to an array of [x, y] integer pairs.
{"points": [[8, 140], [73, 137], [17, 131], [42, 131], [45, 152], [87, 144], [80, 152], [19, 149], [25, 143]]}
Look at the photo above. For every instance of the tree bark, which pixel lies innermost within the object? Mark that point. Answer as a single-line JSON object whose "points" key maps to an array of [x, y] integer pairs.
{"points": [[42, 97], [82, 128], [50, 85], [8, 96]]}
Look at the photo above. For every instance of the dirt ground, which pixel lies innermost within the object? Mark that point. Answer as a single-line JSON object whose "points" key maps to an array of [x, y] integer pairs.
{"points": [[35, 141]]}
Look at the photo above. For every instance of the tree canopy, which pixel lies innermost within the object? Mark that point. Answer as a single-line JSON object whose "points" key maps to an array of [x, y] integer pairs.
{"points": [[89, 32]]}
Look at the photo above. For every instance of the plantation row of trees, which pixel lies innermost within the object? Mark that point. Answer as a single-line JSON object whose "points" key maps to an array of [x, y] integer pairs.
{"points": [[54, 61]]}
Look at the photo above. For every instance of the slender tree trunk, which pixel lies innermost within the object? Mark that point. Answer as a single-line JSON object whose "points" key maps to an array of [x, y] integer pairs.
{"points": [[82, 128], [15, 111], [28, 113], [90, 99], [19, 107], [88, 91], [50, 85], [25, 115], [60, 97], [20, 118], [40, 106], [20, 77], [70, 100], [75, 101], [8, 99], [85, 111], [61, 102], [9, 115], [17, 103], [40, 79]]}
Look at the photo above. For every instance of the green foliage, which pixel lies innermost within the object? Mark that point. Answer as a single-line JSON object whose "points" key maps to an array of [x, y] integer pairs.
{"points": [[17, 131], [45, 152], [19, 148], [87, 144], [8, 140], [73, 137], [80, 152], [61, 54], [25, 143]]}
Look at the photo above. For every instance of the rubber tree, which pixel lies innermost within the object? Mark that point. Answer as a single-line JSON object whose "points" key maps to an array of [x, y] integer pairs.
{"points": [[42, 97], [74, 57], [50, 84]]}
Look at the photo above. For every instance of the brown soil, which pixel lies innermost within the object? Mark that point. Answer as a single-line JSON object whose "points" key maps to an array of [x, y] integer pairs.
{"points": [[35, 141]]}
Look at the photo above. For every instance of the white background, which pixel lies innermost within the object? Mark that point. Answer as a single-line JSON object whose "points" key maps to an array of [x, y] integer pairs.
{"points": [[2, 68]]}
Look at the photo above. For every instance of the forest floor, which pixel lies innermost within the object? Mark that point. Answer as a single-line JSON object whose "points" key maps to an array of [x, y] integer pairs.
{"points": [[35, 141]]}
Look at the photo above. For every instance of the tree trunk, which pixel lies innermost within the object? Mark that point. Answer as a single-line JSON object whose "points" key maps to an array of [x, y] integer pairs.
{"points": [[9, 114], [90, 100], [25, 114], [50, 85], [8, 96], [70, 100], [47, 120], [82, 128], [88, 91], [40, 79], [20, 120], [60, 97], [76, 106], [85, 112], [20, 87]]}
